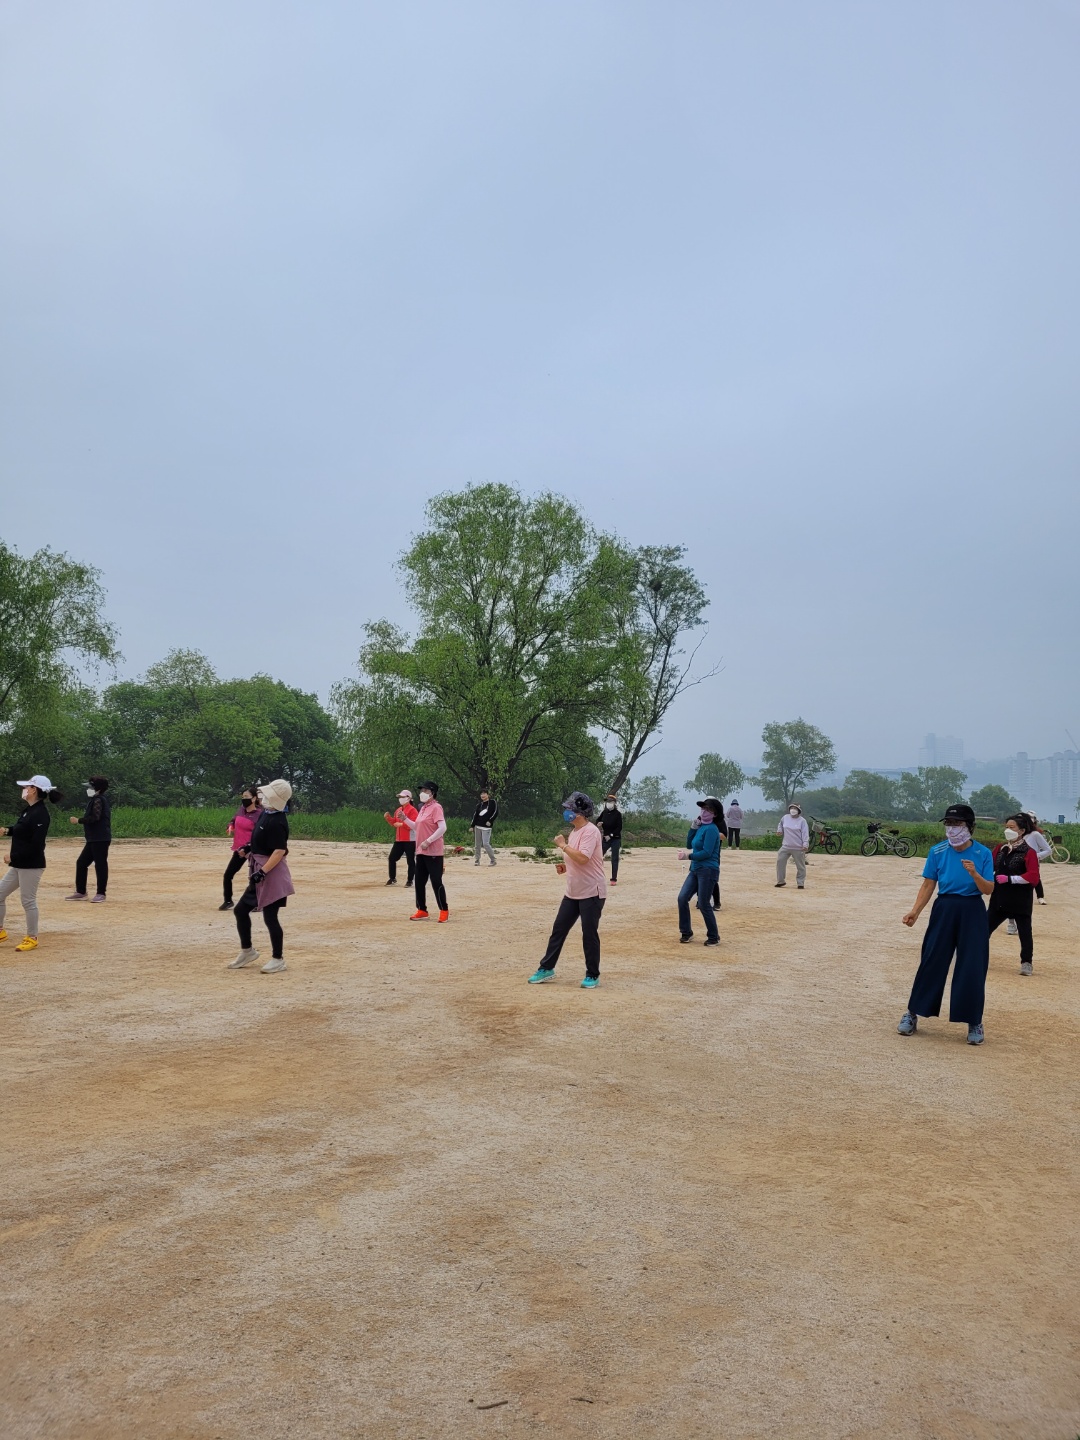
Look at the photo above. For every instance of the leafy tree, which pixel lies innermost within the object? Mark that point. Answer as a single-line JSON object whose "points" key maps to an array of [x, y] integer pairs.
{"points": [[824, 804], [651, 796], [716, 776], [993, 800], [50, 611], [795, 754], [925, 794], [668, 602], [876, 796], [525, 622]]}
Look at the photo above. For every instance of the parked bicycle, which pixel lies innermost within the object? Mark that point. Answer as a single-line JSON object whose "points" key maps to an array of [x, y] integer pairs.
{"points": [[1058, 853], [889, 841], [831, 841]]}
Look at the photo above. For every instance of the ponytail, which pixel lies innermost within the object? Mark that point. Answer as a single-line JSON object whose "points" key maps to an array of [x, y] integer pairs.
{"points": [[54, 795]]}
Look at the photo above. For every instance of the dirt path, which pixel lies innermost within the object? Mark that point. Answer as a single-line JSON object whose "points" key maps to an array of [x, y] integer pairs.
{"points": [[718, 1197]]}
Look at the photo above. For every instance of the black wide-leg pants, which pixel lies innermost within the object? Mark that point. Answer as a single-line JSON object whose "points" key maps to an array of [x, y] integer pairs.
{"points": [[957, 927]]}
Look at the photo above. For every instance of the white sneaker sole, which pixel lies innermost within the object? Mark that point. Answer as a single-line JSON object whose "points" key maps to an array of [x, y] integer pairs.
{"points": [[246, 957], [273, 967]]}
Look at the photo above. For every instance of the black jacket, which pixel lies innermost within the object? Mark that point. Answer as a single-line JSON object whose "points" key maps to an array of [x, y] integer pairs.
{"points": [[271, 833], [610, 822], [97, 818], [27, 838], [485, 815]]}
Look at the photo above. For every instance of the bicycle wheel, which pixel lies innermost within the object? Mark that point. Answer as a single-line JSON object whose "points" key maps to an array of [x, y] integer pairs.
{"points": [[904, 848], [1059, 855], [869, 846], [833, 843]]}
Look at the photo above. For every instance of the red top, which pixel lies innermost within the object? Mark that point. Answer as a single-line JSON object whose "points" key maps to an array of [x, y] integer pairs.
{"points": [[1031, 868], [402, 832], [241, 826]]}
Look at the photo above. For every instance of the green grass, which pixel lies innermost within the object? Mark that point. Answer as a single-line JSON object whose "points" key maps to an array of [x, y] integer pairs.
{"points": [[924, 834]]}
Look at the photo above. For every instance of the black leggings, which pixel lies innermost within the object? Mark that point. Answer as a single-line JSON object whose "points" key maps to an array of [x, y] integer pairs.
{"points": [[244, 906], [397, 850], [1021, 913], [430, 867], [588, 911], [236, 862], [733, 838], [98, 851]]}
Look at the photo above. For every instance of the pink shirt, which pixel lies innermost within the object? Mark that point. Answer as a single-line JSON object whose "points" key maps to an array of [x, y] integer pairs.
{"points": [[428, 819], [586, 879]]}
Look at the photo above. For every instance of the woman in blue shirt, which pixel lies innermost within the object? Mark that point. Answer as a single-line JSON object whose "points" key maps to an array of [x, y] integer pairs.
{"points": [[962, 871], [704, 855]]}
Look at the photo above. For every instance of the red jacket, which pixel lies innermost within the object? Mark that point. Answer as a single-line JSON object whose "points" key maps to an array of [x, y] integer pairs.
{"points": [[1008, 867], [402, 832]]}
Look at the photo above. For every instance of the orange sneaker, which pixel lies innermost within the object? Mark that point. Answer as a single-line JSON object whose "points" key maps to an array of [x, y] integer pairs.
{"points": [[420, 915], [444, 915]]}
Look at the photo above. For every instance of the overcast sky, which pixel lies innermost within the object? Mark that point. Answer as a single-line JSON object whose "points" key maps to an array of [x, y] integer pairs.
{"points": [[793, 284]]}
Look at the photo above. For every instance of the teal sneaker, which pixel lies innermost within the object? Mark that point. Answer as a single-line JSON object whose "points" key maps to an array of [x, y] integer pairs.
{"points": [[590, 982], [540, 976]]}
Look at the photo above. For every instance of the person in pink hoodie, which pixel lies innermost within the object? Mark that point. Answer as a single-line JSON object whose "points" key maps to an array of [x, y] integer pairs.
{"points": [[428, 829], [240, 828]]}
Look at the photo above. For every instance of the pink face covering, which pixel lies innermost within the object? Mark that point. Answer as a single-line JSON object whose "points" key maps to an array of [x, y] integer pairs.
{"points": [[957, 836], [707, 817]]}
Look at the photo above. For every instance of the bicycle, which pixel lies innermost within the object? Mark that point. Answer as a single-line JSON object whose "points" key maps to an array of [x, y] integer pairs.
{"points": [[1058, 853], [890, 841], [831, 841]]}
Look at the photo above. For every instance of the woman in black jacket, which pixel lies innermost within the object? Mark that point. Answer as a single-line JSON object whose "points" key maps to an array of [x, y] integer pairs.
{"points": [[26, 858], [97, 833]]}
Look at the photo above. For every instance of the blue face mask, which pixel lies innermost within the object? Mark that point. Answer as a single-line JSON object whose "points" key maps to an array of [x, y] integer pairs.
{"points": [[568, 816]]}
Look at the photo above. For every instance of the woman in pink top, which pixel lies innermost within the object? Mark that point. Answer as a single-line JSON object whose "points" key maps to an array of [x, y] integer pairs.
{"points": [[240, 828], [428, 829], [582, 860]]}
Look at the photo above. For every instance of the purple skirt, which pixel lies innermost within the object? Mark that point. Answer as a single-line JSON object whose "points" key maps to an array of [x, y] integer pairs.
{"points": [[277, 885]]}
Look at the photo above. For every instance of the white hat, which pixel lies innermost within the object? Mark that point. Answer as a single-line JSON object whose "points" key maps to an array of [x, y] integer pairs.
{"points": [[404, 794], [276, 794], [42, 782]]}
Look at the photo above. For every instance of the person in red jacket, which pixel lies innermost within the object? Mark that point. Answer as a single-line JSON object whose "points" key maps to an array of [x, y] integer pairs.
{"points": [[240, 828], [1016, 874], [404, 844]]}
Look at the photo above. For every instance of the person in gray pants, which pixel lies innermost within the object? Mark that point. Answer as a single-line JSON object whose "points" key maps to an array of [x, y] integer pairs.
{"points": [[484, 817], [794, 843], [26, 856]]}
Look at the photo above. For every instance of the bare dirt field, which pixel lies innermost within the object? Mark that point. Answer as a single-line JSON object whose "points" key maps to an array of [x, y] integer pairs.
{"points": [[395, 1191]]}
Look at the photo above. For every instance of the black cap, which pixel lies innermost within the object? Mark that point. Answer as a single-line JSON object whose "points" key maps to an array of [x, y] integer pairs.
{"points": [[712, 803], [429, 785], [964, 813]]}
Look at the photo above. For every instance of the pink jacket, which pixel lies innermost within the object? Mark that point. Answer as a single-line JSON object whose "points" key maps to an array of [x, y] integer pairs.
{"points": [[241, 827]]}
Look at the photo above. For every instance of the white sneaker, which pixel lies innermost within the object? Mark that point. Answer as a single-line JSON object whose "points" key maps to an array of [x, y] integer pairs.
{"points": [[273, 966], [1026, 968], [244, 958], [1040, 899]]}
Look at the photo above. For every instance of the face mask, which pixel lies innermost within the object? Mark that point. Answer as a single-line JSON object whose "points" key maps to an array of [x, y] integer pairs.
{"points": [[793, 813], [568, 816], [957, 836], [90, 792], [249, 800], [609, 804], [26, 794], [425, 796], [1011, 834], [707, 817]]}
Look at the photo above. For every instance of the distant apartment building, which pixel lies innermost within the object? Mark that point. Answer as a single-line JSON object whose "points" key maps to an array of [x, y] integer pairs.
{"points": [[942, 750], [1050, 787]]}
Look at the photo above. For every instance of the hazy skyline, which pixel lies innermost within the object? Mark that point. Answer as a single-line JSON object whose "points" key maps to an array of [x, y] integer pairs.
{"points": [[793, 285]]}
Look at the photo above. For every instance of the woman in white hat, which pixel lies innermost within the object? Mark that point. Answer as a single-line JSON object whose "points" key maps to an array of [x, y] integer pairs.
{"points": [[270, 884], [26, 858]]}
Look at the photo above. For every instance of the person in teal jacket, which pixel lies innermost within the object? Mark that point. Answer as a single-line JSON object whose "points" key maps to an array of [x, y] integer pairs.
{"points": [[703, 852]]}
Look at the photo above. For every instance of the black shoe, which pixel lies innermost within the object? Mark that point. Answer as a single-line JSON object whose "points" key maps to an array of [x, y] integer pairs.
{"points": [[713, 942], [391, 882], [779, 884], [685, 939], [225, 905]]}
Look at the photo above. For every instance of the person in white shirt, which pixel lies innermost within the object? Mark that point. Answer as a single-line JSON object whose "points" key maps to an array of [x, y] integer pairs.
{"points": [[794, 843], [1043, 849]]}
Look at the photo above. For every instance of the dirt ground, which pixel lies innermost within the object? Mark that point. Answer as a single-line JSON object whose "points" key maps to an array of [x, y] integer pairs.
{"points": [[395, 1191]]}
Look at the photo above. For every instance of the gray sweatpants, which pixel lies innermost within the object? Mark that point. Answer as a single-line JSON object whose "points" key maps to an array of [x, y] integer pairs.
{"points": [[482, 841], [26, 882], [799, 856]]}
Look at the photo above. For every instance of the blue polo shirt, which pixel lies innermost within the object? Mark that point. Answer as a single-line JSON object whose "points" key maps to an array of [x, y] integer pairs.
{"points": [[946, 866]]}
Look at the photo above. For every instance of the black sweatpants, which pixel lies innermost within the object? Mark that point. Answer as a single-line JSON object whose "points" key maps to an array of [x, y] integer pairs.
{"points": [[98, 851], [614, 844], [589, 912], [244, 906], [1016, 903], [397, 850], [236, 862], [957, 926], [430, 867], [733, 838]]}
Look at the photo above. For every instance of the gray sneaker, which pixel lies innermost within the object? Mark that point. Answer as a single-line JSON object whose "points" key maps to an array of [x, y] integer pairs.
{"points": [[909, 1023], [976, 1035], [1025, 968], [1010, 928], [273, 966], [244, 958]]}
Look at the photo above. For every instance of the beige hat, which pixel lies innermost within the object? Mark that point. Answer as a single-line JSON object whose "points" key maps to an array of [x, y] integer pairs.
{"points": [[275, 794]]}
